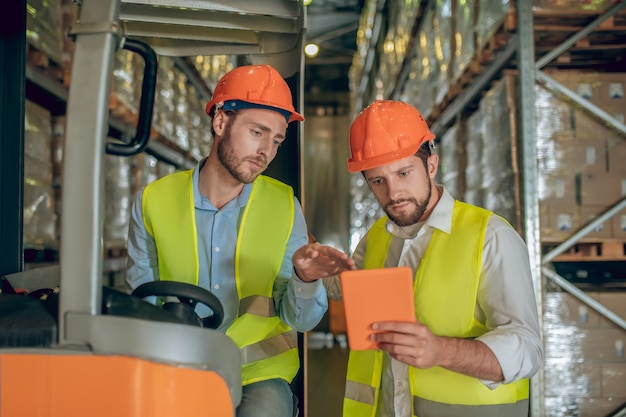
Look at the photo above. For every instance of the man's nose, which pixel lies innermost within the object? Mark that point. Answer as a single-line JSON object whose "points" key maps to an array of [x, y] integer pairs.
{"points": [[394, 191]]}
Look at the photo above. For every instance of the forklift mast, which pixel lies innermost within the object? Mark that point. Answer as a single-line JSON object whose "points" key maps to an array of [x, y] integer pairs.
{"points": [[156, 367]]}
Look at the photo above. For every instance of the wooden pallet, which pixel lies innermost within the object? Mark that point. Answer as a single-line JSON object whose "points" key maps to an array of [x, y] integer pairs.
{"points": [[607, 250], [45, 64], [553, 27], [545, 19]]}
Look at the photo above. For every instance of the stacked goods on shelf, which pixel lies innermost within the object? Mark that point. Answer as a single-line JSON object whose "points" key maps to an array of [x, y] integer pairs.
{"points": [[476, 161], [200, 138], [123, 177], [572, 5], [364, 42], [499, 176], [179, 120], [393, 48], [163, 121], [580, 170], [40, 222], [144, 171], [124, 98], [419, 89], [584, 365], [181, 111], [69, 15], [450, 156], [463, 40], [474, 143], [438, 52], [117, 201], [212, 68], [442, 33], [44, 36], [448, 39], [364, 209], [490, 16]]}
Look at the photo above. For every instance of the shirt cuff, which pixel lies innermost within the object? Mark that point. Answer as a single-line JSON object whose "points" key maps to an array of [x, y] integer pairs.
{"points": [[306, 289], [507, 355]]}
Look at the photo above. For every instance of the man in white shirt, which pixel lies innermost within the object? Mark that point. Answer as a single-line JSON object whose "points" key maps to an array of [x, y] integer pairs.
{"points": [[476, 340]]}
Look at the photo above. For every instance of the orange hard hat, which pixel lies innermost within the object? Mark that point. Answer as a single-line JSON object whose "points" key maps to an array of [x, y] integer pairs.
{"points": [[258, 86], [386, 131]]}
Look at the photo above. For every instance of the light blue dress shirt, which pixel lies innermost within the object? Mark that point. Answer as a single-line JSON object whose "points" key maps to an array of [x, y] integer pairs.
{"points": [[301, 305]]}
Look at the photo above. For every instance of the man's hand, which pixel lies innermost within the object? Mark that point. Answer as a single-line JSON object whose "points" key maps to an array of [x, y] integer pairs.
{"points": [[411, 343], [314, 261], [415, 344]]}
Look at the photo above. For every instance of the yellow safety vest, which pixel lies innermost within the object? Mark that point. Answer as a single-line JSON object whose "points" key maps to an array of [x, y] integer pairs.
{"points": [[269, 347], [445, 290]]}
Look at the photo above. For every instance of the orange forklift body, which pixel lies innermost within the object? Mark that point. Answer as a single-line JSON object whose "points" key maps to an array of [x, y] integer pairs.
{"points": [[69, 385]]}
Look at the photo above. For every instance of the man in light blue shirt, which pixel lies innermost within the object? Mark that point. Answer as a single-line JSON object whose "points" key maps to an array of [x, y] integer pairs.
{"points": [[226, 228]]}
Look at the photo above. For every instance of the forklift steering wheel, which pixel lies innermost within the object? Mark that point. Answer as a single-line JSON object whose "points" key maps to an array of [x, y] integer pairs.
{"points": [[189, 296]]}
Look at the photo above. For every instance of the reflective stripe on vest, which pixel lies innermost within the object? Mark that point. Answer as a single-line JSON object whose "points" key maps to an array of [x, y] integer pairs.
{"points": [[447, 313], [269, 346]]}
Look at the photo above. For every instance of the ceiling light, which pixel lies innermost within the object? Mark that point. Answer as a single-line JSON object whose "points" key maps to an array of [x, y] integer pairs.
{"points": [[307, 2], [311, 50]]}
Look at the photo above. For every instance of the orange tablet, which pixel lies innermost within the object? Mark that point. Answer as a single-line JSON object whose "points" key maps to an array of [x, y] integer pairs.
{"points": [[373, 295]]}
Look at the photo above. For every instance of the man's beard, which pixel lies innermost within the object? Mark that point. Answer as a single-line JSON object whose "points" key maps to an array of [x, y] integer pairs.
{"points": [[226, 155], [413, 217]]}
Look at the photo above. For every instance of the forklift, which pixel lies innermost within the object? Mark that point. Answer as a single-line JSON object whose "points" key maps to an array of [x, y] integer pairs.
{"points": [[69, 345]]}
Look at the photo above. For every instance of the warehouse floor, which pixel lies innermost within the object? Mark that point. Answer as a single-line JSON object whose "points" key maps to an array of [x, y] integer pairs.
{"points": [[326, 381]]}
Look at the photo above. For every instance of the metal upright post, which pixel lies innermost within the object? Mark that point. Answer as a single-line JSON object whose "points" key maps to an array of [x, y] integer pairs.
{"points": [[83, 180], [526, 67]]}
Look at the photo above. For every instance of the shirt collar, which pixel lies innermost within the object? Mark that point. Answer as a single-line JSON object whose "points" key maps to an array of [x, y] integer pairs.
{"points": [[201, 202], [440, 218]]}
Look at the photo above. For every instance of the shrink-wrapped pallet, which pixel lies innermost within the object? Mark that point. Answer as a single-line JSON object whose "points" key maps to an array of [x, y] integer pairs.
{"points": [[117, 200], [40, 219]]}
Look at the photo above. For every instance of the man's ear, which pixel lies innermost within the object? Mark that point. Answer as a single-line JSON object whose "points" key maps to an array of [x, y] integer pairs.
{"points": [[219, 122], [432, 164]]}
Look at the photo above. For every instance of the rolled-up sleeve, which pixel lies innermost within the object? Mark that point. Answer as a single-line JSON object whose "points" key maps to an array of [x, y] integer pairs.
{"points": [[506, 299]]}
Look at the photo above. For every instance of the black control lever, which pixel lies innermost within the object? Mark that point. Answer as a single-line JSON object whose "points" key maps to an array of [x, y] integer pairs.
{"points": [[146, 103]]}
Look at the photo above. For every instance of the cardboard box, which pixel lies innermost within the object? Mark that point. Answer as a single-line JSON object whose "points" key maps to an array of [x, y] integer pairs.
{"points": [[588, 214], [613, 380], [600, 188], [612, 89], [614, 301], [616, 153], [563, 220], [589, 127], [584, 367], [557, 189], [619, 226], [587, 84], [570, 311]]}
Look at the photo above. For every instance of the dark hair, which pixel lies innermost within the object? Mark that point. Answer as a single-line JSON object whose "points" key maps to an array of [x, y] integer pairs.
{"points": [[424, 152], [232, 114]]}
